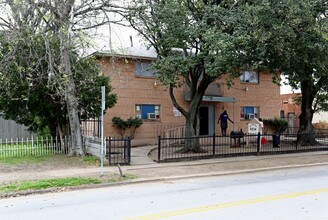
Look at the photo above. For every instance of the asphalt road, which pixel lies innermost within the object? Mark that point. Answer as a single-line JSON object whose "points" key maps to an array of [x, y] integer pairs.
{"points": [[300, 194]]}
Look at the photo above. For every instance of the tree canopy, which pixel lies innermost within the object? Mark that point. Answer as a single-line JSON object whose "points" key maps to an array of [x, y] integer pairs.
{"points": [[30, 97], [197, 42], [51, 21], [294, 41]]}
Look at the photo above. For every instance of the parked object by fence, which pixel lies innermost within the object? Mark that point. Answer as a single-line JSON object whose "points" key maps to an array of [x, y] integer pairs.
{"points": [[173, 149], [39, 146]]}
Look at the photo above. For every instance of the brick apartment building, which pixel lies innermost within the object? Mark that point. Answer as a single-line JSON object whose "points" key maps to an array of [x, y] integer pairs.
{"points": [[141, 95], [290, 111]]}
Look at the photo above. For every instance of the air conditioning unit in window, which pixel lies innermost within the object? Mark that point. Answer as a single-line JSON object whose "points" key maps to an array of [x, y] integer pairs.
{"points": [[151, 116], [250, 116]]}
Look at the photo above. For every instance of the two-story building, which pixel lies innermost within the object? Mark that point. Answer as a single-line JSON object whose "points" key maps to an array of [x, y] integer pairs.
{"points": [[291, 111], [141, 95]]}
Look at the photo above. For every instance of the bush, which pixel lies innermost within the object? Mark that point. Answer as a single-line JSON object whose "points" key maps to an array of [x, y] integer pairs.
{"points": [[277, 125], [127, 127]]}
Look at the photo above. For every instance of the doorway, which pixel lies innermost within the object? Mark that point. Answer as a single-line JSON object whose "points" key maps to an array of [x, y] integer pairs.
{"points": [[206, 120]]}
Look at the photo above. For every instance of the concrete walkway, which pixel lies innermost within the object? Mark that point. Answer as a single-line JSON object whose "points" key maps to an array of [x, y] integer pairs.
{"points": [[139, 155]]}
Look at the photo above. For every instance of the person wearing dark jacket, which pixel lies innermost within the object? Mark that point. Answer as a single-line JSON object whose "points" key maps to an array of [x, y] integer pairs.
{"points": [[223, 120]]}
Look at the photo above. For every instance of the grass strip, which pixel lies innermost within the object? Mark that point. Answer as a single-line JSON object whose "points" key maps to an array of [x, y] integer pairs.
{"points": [[117, 178], [91, 160], [49, 183], [62, 182], [87, 160], [26, 159]]}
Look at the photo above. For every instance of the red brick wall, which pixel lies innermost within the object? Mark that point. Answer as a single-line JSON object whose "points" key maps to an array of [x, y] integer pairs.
{"points": [[132, 90], [288, 106], [265, 95]]}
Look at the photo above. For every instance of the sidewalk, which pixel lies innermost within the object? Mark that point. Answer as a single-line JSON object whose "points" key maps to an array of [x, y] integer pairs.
{"points": [[148, 170]]}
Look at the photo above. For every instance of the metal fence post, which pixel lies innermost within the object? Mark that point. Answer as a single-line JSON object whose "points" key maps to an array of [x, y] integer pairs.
{"points": [[258, 143], [159, 150], [109, 151], [213, 144], [125, 150], [297, 138], [129, 144]]}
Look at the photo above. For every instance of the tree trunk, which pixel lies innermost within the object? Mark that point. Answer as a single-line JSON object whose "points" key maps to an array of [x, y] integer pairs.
{"points": [[191, 142], [197, 90], [66, 71], [77, 143], [61, 136], [192, 128], [306, 131]]}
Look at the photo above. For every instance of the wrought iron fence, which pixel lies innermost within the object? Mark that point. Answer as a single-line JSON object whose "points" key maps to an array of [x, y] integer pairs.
{"points": [[118, 150], [39, 146], [203, 147]]}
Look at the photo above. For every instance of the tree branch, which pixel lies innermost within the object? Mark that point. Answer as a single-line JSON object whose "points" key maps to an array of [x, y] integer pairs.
{"points": [[175, 103]]}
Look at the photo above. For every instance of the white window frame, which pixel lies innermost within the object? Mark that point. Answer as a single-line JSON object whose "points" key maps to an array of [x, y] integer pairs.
{"points": [[142, 69], [139, 112], [243, 112], [245, 77]]}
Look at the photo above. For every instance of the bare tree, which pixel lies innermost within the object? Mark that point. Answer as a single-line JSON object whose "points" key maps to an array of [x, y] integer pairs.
{"points": [[68, 22]]}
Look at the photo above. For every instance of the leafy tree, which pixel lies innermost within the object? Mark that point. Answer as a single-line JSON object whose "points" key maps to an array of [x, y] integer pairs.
{"points": [[291, 37], [66, 21], [30, 98], [197, 42]]}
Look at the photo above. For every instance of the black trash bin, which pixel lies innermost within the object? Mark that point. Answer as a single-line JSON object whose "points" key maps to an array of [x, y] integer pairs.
{"points": [[276, 140], [236, 137]]}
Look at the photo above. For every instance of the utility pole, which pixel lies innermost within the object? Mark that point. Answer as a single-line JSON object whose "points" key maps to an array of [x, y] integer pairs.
{"points": [[102, 129]]}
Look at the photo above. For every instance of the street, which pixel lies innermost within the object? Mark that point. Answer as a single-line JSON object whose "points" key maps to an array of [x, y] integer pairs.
{"points": [[299, 193]]}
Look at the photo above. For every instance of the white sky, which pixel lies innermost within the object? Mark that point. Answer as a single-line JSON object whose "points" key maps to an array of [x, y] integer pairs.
{"points": [[115, 37], [286, 89]]}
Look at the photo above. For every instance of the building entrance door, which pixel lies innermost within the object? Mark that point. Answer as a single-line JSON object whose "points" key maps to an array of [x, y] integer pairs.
{"points": [[206, 120]]}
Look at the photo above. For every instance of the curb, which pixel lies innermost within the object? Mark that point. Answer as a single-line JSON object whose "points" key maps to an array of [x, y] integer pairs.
{"points": [[220, 160], [140, 181]]}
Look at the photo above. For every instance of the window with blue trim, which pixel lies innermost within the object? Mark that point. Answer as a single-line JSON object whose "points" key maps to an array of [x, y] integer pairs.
{"points": [[249, 112], [147, 111], [142, 69]]}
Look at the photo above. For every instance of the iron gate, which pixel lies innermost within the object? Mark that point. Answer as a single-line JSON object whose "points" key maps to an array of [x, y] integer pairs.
{"points": [[118, 150]]}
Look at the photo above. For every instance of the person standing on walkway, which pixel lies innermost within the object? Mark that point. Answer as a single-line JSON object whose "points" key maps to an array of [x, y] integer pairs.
{"points": [[223, 120]]}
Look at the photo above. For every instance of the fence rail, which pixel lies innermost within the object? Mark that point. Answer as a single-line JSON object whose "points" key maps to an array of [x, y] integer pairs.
{"points": [[39, 146], [178, 149]]}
